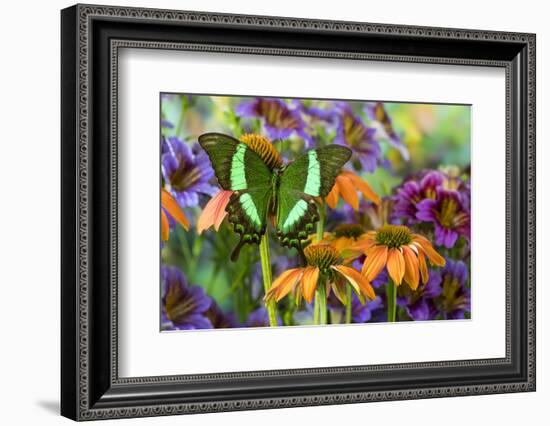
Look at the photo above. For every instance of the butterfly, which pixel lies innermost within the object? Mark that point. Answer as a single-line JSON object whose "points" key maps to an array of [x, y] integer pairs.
{"points": [[287, 192]]}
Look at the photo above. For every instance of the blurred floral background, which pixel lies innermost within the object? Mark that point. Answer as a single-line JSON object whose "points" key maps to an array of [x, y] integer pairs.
{"points": [[403, 198]]}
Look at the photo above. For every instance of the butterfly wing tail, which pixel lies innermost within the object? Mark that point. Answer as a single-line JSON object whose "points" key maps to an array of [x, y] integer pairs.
{"points": [[237, 250]]}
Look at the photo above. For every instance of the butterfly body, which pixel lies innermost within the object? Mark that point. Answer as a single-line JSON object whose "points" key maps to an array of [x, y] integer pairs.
{"points": [[286, 192]]}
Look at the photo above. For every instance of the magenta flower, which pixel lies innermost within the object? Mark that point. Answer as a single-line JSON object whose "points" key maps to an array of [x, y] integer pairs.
{"points": [[450, 217], [413, 192]]}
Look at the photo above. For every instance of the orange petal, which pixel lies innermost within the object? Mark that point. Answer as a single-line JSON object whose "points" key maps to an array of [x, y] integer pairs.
{"points": [[332, 197], [423, 266], [173, 208], [396, 265], [411, 267], [309, 282], [164, 226], [342, 243], [364, 244], [348, 191], [338, 287], [214, 211], [357, 281], [363, 187], [435, 257], [283, 284], [375, 261]]}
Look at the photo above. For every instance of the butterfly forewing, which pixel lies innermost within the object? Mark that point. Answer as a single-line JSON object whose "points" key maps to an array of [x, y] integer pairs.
{"points": [[311, 175], [241, 170]]}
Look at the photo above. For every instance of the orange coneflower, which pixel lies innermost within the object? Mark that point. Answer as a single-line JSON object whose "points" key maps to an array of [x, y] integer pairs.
{"points": [[345, 238], [402, 252], [346, 185], [169, 206], [323, 266], [214, 211]]}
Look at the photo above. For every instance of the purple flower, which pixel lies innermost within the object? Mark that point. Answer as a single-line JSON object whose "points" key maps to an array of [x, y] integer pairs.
{"points": [[279, 119], [413, 192], [381, 279], [219, 319], [166, 124], [449, 215], [315, 113], [363, 313], [444, 295], [418, 303], [454, 298], [186, 172], [352, 132], [183, 306], [260, 318], [378, 114], [359, 313]]}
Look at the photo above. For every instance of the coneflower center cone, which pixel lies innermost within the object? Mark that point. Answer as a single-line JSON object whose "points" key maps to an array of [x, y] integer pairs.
{"points": [[393, 236], [322, 256], [349, 230]]}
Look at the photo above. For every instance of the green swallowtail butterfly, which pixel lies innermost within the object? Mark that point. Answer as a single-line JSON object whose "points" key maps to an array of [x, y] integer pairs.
{"points": [[286, 192]]}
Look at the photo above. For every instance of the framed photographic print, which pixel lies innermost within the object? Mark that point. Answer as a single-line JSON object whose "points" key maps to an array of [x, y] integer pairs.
{"points": [[263, 212]]}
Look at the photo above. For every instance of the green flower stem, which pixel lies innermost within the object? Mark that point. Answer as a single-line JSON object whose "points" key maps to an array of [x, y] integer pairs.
{"points": [[391, 296], [348, 304], [321, 299], [266, 273], [316, 310], [321, 223]]}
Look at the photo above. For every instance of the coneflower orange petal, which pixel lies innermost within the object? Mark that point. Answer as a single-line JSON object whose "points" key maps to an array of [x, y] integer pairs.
{"points": [[338, 287], [411, 267], [363, 187], [365, 244], [332, 197], [396, 265], [309, 282], [422, 265], [289, 284], [164, 226], [214, 212], [342, 243], [434, 257], [356, 280], [283, 284], [375, 261], [348, 191], [173, 208]]}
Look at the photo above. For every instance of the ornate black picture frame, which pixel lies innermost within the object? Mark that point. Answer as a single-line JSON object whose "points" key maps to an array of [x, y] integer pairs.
{"points": [[91, 36]]}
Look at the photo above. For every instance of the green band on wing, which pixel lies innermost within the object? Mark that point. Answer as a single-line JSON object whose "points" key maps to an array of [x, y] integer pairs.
{"points": [[295, 214], [238, 176], [313, 181], [250, 209]]}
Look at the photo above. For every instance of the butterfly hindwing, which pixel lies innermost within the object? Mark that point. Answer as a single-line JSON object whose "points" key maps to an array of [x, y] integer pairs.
{"points": [[241, 170], [311, 175]]}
